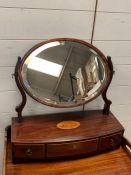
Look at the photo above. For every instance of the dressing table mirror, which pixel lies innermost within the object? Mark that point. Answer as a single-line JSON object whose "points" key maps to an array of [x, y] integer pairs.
{"points": [[64, 73]]}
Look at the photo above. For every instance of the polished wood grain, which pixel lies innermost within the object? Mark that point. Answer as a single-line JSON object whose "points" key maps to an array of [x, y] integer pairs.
{"points": [[108, 142], [28, 151], [43, 129], [39, 137], [126, 144], [73, 148], [111, 163]]}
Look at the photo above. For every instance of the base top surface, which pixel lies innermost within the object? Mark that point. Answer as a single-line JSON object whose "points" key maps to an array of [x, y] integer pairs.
{"points": [[44, 128]]}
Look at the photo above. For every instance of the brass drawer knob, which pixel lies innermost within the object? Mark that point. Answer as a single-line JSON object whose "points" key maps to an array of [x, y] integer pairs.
{"points": [[28, 152]]}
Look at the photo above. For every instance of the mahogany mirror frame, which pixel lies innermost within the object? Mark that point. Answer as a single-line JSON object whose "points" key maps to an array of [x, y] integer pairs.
{"points": [[19, 80]]}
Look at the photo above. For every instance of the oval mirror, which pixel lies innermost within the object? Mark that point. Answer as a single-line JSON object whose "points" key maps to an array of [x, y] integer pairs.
{"points": [[64, 72]]}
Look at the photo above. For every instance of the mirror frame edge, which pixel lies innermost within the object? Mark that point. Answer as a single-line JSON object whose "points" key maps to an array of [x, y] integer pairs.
{"points": [[105, 60]]}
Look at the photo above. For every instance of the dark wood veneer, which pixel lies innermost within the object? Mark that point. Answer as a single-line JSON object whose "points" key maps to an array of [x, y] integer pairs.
{"points": [[110, 141], [111, 163], [28, 151], [97, 132], [20, 107], [72, 148]]}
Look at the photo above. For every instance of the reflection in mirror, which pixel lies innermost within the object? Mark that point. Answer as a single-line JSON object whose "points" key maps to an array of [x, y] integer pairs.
{"points": [[64, 72]]}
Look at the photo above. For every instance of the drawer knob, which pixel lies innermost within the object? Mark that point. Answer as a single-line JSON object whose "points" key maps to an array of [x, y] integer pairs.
{"points": [[112, 142], [28, 152]]}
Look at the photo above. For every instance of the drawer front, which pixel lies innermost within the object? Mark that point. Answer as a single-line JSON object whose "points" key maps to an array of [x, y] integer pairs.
{"points": [[110, 142], [73, 148], [28, 151]]}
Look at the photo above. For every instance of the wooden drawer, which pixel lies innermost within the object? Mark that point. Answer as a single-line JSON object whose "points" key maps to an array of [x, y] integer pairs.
{"points": [[110, 142], [73, 148], [28, 151]]}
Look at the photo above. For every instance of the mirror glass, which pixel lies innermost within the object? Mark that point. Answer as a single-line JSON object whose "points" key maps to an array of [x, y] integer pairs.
{"points": [[64, 73]]}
